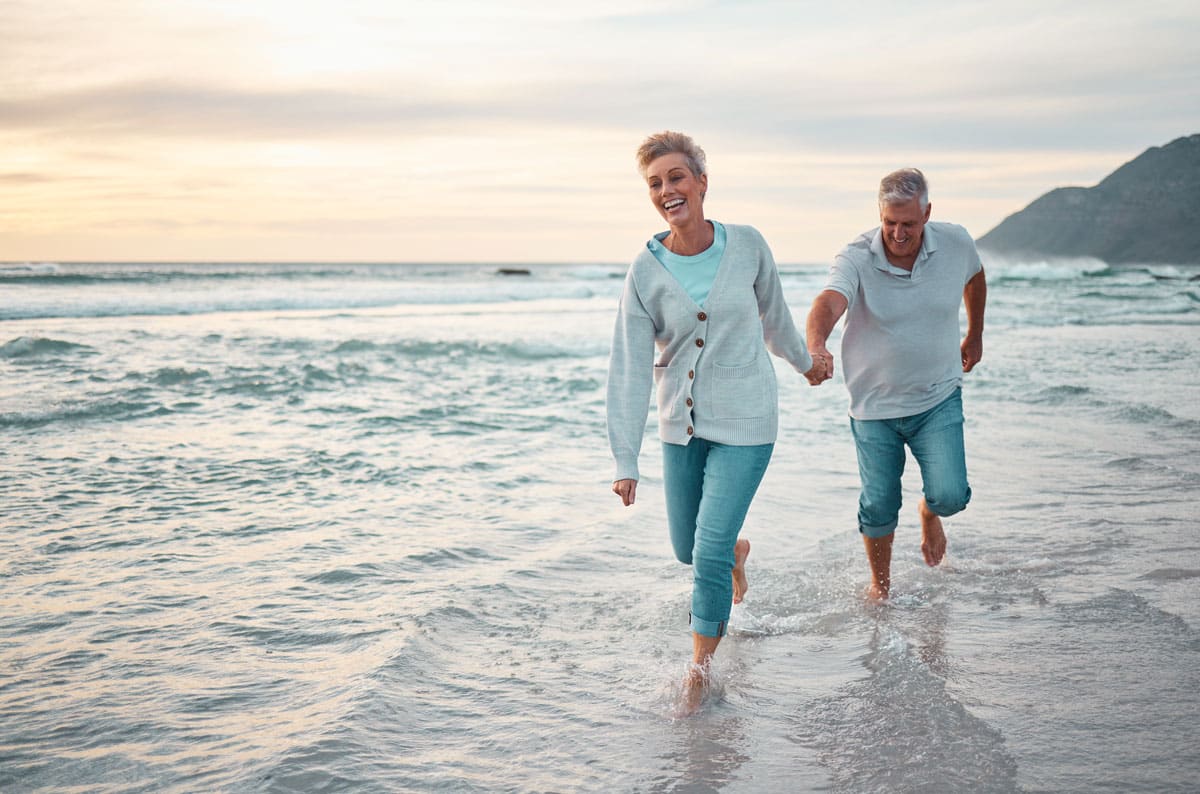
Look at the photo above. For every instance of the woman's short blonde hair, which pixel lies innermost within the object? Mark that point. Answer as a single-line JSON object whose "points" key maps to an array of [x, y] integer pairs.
{"points": [[668, 142]]}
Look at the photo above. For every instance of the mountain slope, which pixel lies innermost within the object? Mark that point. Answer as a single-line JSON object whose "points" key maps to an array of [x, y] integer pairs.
{"points": [[1146, 211]]}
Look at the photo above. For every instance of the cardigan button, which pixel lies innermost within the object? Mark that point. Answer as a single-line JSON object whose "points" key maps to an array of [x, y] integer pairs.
{"points": [[699, 343], [689, 402], [690, 431], [701, 316], [691, 374]]}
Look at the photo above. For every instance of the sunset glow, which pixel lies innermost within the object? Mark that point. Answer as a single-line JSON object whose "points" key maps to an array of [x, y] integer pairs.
{"points": [[468, 131]]}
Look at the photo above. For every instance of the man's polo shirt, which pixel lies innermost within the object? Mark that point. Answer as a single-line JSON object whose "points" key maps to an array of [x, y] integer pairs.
{"points": [[901, 344]]}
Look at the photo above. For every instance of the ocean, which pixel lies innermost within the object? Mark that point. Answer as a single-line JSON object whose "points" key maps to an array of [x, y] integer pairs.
{"points": [[331, 527]]}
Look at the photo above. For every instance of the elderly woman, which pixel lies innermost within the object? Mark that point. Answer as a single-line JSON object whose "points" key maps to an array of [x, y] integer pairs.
{"points": [[701, 306]]}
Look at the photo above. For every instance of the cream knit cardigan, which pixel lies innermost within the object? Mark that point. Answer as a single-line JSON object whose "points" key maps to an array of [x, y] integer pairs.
{"points": [[713, 377]]}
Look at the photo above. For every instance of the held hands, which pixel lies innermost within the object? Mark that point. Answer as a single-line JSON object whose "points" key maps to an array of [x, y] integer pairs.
{"points": [[822, 368], [626, 489]]}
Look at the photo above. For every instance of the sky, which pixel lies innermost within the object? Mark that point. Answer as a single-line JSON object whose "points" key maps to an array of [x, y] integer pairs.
{"points": [[505, 130]]}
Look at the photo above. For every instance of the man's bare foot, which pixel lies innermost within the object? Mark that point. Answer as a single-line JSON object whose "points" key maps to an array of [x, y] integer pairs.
{"points": [[741, 550], [879, 555], [933, 538]]}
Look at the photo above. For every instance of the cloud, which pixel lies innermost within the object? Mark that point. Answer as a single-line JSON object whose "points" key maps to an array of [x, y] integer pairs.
{"points": [[1020, 75], [27, 178], [829, 116], [194, 110]]}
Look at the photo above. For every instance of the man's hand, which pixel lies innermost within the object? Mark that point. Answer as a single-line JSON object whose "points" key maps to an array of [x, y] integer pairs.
{"points": [[627, 490], [822, 368], [972, 352]]}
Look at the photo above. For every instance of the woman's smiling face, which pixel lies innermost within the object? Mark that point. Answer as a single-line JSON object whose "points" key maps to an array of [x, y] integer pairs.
{"points": [[675, 191]]}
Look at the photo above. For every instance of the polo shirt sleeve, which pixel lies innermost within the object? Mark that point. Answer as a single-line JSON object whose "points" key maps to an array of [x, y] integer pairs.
{"points": [[843, 278], [975, 265]]}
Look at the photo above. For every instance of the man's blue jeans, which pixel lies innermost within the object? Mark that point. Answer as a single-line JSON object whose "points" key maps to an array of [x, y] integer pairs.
{"points": [[709, 487], [936, 440]]}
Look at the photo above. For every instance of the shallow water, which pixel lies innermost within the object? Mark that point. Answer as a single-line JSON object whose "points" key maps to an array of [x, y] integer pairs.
{"points": [[324, 527]]}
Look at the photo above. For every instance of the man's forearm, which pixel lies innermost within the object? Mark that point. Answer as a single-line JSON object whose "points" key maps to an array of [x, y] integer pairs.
{"points": [[827, 308], [975, 301]]}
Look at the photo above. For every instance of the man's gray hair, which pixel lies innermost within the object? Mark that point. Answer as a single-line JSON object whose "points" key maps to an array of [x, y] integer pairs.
{"points": [[901, 187], [668, 142]]}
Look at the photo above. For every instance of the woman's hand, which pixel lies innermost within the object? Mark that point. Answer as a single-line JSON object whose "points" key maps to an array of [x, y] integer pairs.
{"points": [[626, 489]]}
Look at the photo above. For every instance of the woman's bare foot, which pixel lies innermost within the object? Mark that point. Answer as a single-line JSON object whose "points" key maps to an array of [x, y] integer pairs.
{"points": [[695, 684], [876, 592], [741, 550], [696, 679], [933, 538]]}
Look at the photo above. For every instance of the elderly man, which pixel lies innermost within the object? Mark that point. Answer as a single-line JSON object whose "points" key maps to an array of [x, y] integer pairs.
{"points": [[900, 286]]}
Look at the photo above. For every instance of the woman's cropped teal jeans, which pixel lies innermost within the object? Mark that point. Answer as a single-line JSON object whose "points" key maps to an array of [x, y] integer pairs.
{"points": [[709, 488]]}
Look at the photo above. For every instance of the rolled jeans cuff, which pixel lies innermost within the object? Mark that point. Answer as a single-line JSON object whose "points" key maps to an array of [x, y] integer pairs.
{"points": [[708, 628], [881, 531]]}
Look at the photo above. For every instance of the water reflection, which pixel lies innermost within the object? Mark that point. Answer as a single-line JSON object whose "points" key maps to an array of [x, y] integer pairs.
{"points": [[705, 753], [907, 731]]}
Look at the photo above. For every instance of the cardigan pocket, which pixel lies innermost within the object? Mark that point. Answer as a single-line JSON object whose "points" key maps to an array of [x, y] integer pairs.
{"points": [[671, 386], [743, 392]]}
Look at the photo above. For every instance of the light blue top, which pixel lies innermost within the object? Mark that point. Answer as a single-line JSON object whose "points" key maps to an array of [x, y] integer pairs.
{"points": [[900, 346], [694, 273]]}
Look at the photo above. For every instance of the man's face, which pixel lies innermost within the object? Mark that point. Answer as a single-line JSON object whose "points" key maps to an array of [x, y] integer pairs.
{"points": [[903, 225]]}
